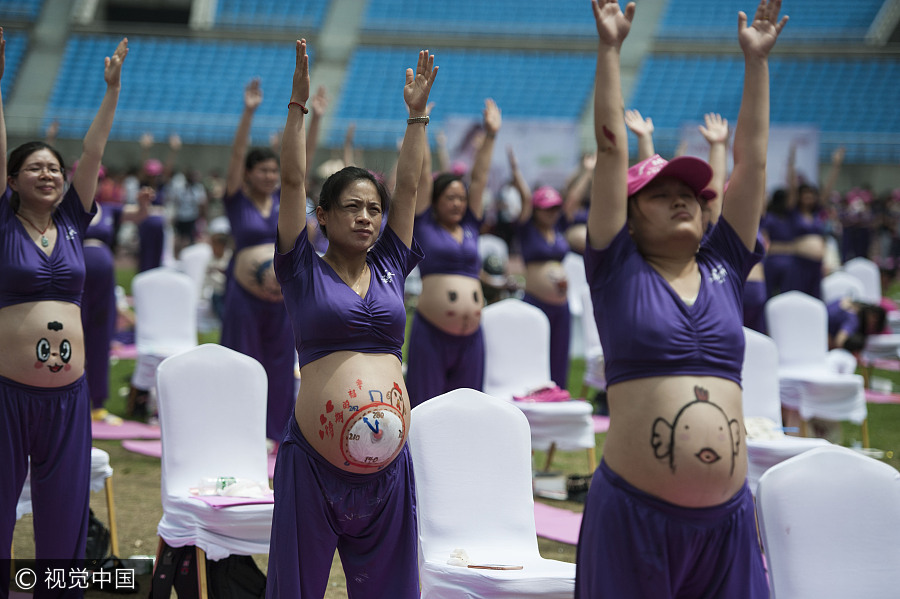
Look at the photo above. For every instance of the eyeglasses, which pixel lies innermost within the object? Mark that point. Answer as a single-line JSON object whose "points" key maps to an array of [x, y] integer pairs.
{"points": [[37, 169]]}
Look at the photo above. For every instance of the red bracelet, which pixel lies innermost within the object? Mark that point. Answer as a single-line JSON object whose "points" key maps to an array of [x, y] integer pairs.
{"points": [[302, 107]]}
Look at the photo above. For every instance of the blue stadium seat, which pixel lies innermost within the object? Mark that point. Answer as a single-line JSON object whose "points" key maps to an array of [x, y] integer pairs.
{"points": [[853, 97], [270, 14], [166, 87], [20, 10], [16, 46], [817, 21], [516, 80]]}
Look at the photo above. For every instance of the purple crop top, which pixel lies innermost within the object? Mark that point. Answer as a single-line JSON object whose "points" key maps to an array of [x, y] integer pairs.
{"points": [[248, 227], [778, 228], [27, 274], [328, 316], [105, 228], [535, 247], [807, 226], [647, 330], [840, 319], [443, 254]]}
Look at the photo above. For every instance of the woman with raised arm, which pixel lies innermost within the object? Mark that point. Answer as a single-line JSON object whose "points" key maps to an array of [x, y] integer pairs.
{"points": [[543, 245], [254, 319], [44, 399], [669, 512], [446, 346], [344, 473]]}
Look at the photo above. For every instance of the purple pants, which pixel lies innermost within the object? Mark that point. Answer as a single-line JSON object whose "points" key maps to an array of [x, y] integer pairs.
{"points": [[755, 305], [151, 235], [634, 545], [53, 427], [806, 276], [369, 518], [438, 362], [261, 330], [778, 270], [98, 318], [560, 332]]}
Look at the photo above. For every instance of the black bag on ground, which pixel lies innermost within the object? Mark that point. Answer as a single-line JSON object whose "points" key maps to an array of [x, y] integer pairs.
{"points": [[235, 577], [97, 547]]}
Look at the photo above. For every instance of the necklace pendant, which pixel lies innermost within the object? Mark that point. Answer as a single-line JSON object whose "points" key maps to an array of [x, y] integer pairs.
{"points": [[44, 241]]}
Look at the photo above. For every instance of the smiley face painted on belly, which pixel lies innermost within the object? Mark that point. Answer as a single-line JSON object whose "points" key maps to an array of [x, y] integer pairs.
{"points": [[53, 350], [701, 431]]}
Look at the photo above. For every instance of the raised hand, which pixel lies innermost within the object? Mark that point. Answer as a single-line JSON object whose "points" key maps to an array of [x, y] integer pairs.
{"points": [[175, 142], [612, 24], [638, 124], [758, 38], [112, 70], [492, 117], [253, 95], [714, 129], [418, 84], [320, 101], [300, 88]]}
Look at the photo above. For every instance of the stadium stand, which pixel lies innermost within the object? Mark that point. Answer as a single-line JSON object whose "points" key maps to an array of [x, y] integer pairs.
{"points": [[270, 14], [16, 47], [20, 10], [467, 18], [812, 21]]}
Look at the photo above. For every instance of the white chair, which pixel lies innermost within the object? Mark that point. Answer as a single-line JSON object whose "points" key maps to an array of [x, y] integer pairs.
{"points": [[473, 489], [798, 323], [101, 480], [165, 308], [840, 284], [212, 410], [573, 264], [828, 519], [869, 275], [762, 404], [516, 360], [594, 363], [489, 244], [193, 261]]}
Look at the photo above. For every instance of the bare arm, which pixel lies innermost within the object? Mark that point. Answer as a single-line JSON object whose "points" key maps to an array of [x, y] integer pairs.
{"points": [[443, 156], [747, 190], [609, 202], [837, 159], [412, 151], [578, 186], [482, 167], [349, 155], [85, 179], [426, 182], [715, 131], [171, 157], [3, 148], [318, 107], [234, 179], [292, 214], [643, 130], [521, 186]]}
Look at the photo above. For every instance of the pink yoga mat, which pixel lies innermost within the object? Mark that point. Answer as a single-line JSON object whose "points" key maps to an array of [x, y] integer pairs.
{"points": [[557, 524], [129, 429], [219, 501], [152, 448], [879, 397]]}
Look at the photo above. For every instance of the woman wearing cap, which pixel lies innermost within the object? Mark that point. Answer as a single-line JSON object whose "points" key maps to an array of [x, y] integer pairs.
{"points": [[254, 319], [344, 476], [669, 512], [446, 347], [543, 246], [44, 397]]}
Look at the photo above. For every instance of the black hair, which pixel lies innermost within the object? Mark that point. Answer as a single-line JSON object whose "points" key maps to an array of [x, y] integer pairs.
{"points": [[868, 312], [778, 203], [335, 185], [441, 183], [17, 158], [257, 155]]}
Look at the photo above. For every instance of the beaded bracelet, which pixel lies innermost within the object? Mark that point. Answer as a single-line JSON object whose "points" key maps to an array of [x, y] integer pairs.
{"points": [[302, 107], [417, 119]]}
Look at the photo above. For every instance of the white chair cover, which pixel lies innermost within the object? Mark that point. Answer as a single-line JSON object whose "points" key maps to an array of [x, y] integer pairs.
{"points": [[517, 359], [761, 400], [576, 279], [212, 410], [840, 284], [594, 363], [474, 492], [798, 323], [828, 519], [193, 261], [869, 275], [100, 471]]}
